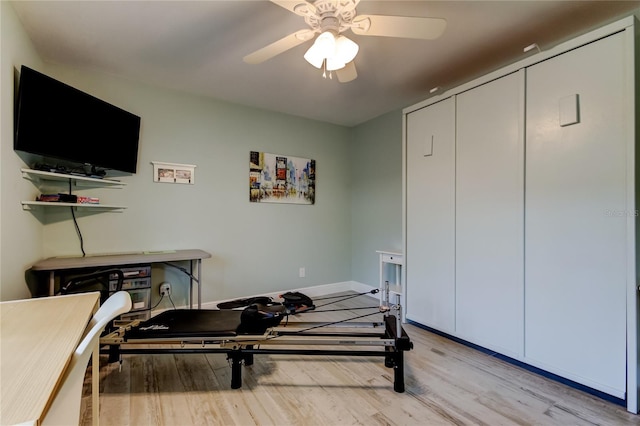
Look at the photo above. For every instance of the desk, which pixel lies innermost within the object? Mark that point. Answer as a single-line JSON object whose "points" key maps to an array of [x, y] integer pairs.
{"points": [[54, 264], [37, 339]]}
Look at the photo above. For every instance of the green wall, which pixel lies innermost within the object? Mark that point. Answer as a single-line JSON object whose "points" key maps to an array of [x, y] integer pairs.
{"points": [[256, 248], [20, 233], [376, 194]]}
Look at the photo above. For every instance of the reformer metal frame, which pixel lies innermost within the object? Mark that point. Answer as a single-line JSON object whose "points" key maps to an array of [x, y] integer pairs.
{"points": [[282, 340]]}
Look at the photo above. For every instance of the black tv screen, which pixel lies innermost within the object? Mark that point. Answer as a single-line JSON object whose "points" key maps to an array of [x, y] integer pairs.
{"points": [[57, 121]]}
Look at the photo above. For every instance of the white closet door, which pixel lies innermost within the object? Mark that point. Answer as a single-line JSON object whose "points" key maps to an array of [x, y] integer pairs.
{"points": [[429, 259], [576, 214], [490, 214]]}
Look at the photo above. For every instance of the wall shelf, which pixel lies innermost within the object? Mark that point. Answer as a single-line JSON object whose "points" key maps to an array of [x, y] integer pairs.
{"points": [[37, 177], [42, 175], [29, 205]]}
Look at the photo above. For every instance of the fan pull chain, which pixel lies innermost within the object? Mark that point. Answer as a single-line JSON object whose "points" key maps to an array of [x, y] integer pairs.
{"points": [[324, 70]]}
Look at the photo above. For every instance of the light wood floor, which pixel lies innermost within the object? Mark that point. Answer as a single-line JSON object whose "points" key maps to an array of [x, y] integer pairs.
{"points": [[446, 384]]}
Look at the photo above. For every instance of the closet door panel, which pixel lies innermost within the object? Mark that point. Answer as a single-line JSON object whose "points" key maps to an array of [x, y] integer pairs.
{"points": [[490, 214], [429, 257], [576, 215]]}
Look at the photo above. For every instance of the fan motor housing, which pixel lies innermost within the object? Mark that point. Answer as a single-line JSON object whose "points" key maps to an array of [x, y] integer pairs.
{"points": [[330, 15]]}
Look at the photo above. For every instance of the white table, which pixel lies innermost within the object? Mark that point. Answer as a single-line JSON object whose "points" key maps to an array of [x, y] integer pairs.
{"points": [[37, 340]]}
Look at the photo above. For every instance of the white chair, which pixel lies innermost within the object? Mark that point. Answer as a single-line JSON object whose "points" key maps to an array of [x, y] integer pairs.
{"points": [[65, 407]]}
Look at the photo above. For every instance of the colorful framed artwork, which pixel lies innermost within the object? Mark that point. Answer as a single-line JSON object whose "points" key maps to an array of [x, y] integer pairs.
{"points": [[275, 178]]}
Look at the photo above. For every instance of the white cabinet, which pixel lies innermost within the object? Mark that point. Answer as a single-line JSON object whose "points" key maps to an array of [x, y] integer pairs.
{"points": [[520, 211], [577, 215], [490, 213], [430, 237]]}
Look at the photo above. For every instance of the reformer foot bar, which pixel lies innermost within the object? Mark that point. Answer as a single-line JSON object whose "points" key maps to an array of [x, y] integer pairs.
{"points": [[187, 331]]}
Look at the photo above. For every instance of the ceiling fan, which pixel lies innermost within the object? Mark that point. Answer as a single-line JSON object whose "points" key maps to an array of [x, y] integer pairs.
{"points": [[332, 51]]}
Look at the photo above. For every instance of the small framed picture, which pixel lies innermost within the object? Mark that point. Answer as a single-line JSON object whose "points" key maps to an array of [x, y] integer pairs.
{"points": [[173, 173]]}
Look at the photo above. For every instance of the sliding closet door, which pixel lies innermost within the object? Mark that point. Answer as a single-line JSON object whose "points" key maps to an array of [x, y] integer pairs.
{"points": [[576, 215], [430, 174], [490, 214]]}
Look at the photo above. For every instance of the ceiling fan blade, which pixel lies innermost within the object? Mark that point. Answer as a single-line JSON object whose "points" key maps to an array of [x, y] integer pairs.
{"points": [[299, 7], [399, 26], [348, 73], [277, 47]]}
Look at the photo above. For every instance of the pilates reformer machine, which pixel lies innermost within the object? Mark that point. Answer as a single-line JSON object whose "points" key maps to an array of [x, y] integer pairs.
{"points": [[263, 327]]}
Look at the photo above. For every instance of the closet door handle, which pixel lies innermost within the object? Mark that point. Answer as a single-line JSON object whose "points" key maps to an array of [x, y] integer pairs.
{"points": [[428, 147]]}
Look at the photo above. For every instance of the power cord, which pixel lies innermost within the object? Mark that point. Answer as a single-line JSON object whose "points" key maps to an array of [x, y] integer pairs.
{"points": [[156, 305], [75, 222], [162, 298]]}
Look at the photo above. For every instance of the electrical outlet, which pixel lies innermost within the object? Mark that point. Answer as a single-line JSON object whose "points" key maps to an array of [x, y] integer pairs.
{"points": [[165, 289], [302, 272]]}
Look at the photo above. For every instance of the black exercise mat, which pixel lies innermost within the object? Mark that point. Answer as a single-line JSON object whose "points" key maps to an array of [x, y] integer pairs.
{"points": [[188, 323]]}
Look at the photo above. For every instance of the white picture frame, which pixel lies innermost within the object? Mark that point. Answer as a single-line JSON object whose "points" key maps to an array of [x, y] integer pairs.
{"points": [[174, 173]]}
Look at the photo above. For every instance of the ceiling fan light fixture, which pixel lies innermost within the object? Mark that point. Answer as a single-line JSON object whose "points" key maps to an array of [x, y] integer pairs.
{"points": [[314, 56], [323, 48], [334, 63], [326, 44], [336, 51], [346, 49], [327, 19]]}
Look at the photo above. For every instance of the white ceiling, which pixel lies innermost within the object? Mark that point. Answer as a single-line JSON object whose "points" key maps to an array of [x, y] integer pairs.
{"points": [[198, 46]]}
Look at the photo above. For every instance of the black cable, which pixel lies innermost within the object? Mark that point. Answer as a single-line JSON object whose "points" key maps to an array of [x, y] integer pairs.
{"points": [[156, 305], [184, 270], [162, 297], [75, 222], [321, 325], [313, 311], [374, 291]]}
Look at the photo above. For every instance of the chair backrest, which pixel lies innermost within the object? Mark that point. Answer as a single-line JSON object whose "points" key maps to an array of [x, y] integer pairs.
{"points": [[65, 408]]}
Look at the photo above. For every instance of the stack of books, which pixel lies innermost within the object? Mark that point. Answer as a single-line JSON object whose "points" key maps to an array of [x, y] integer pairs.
{"points": [[66, 198]]}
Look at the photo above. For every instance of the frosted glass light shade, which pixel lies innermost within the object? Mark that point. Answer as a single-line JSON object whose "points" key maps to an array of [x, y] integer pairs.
{"points": [[334, 63], [336, 51], [314, 56], [326, 43], [346, 49], [323, 48]]}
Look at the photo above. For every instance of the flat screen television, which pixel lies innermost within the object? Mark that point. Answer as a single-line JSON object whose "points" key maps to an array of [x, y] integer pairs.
{"points": [[57, 121]]}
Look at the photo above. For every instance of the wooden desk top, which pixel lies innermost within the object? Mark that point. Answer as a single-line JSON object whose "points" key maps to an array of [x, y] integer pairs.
{"points": [[37, 339], [58, 263]]}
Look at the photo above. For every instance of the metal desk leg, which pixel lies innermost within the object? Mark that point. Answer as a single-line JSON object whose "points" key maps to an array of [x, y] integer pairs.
{"points": [[198, 280], [191, 285], [52, 283], [199, 283]]}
